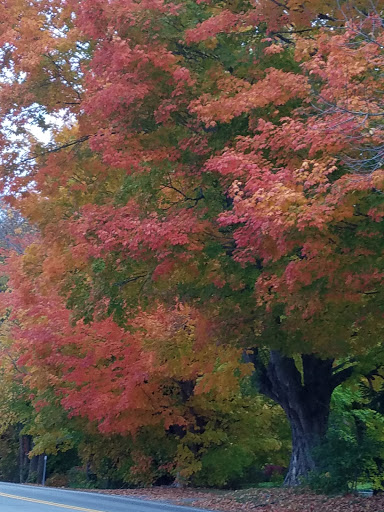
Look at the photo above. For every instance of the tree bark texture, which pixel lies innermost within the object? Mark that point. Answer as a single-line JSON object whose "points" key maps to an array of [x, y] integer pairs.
{"points": [[25, 446], [305, 397], [40, 468]]}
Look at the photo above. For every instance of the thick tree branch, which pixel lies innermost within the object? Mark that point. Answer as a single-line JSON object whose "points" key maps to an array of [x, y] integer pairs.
{"points": [[341, 376]]}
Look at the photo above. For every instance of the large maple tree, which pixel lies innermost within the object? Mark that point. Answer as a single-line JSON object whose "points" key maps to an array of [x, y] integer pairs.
{"points": [[227, 154]]}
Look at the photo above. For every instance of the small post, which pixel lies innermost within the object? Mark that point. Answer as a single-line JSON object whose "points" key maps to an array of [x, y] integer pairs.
{"points": [[44, 469]]}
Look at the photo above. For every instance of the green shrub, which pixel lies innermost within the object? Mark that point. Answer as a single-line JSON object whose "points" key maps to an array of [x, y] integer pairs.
{"points": [[352, 447], [78, 479], [57, 480], [224, 466]]}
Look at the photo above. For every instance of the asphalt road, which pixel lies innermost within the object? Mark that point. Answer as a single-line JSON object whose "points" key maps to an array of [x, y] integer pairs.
{"points": [[28, 498]]}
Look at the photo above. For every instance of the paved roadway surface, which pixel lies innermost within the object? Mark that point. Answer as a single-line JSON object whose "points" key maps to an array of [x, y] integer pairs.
{"points": [[28, 498]]}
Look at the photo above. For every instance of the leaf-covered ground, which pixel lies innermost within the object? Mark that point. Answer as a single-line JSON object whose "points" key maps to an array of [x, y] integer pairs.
{"points": [[259, 500]]}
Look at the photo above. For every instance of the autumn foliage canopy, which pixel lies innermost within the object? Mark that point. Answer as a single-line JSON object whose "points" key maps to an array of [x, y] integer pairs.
{"points": [[212, 183]]}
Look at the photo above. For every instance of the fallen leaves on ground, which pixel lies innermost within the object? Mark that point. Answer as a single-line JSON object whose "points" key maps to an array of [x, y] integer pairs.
{"points": [[259, 500]]}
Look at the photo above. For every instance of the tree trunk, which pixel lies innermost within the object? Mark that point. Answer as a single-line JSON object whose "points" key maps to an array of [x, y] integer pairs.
{"points": [[32, 473], [25, 446], [307, 433], [198, 425], [305, 397]]}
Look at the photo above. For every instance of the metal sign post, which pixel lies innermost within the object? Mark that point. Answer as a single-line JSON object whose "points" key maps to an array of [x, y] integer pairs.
{"points": [[45, 469]]}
